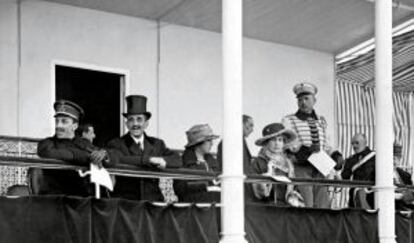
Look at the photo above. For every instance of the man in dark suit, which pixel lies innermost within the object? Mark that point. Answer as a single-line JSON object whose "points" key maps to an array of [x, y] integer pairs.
{"points": [[64, 145], [360, 166], [404, 198], [137, 148], [248, 126]]}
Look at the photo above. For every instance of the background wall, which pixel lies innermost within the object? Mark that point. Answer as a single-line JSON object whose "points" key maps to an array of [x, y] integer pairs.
{"points": [[53, 32], [191, 81], [187, 89]]}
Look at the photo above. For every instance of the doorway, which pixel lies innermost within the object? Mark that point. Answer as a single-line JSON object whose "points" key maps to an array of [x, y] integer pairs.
{"points": [[98, 93]]}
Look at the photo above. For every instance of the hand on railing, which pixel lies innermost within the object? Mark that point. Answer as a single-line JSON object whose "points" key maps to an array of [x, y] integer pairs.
{"points": [[159, 162], [98, 157]]}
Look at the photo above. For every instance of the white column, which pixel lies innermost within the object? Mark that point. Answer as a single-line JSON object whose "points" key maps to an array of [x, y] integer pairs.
{"points": [[232, 195], [384, 137]]}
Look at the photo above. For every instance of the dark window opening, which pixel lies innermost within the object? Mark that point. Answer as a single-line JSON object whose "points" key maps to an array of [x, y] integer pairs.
{"points": [[98, 93]]}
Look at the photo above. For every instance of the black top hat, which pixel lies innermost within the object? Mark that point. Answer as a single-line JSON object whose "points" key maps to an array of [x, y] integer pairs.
{"points": [[137, 104], [68, 108]]}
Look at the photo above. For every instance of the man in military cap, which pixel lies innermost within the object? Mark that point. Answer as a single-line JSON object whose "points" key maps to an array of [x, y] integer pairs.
{"points": [[312, 137], [137, 148], [64, 145]]}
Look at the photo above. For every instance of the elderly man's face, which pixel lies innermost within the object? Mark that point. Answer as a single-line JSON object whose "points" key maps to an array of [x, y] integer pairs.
{"points": [[306, 103], [358, 143], [248, 127], [137, 124], [65, 127]]}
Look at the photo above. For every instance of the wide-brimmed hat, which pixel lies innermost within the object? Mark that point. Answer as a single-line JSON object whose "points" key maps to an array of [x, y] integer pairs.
{"points": [[68, 108], [198, 134], [304, 89], [273, 130], [137, 104]]}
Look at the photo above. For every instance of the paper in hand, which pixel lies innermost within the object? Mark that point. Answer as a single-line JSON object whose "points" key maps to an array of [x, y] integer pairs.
{"points": [[101, 177], [322, 162]]}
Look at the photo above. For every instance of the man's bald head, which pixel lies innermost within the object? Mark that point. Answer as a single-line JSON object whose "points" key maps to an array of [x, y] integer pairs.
{"points": [[359, 142]]}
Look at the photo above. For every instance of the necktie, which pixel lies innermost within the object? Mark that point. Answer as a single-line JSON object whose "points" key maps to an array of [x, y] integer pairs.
{"points": [[139, 147]]}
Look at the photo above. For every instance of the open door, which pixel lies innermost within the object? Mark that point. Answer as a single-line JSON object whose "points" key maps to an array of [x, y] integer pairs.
{"points": [[98, 93]]}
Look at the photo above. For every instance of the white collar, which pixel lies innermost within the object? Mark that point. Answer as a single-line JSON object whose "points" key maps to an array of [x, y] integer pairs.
{"points": [[139, 140]]}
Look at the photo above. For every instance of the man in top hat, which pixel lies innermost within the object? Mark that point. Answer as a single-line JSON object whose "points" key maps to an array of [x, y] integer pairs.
{"points": [[137, 148], [64, 145], [312, 137]]}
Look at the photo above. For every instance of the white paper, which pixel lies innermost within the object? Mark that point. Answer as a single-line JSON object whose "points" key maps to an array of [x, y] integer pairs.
{"points": [[280, 178], [101, 176], [322, 162], [213, 189]]}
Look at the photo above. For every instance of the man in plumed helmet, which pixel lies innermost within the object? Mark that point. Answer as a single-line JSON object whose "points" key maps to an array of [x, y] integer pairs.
{"points": [[64, 145], [312, 137], [137, 148]]}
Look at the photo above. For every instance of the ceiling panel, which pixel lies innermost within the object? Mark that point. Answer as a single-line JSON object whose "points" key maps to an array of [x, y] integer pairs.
{"points": [[324, 25]]}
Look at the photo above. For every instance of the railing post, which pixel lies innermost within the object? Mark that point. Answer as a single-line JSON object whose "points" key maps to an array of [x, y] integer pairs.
{"points": [[384, 137], [232, 195]]}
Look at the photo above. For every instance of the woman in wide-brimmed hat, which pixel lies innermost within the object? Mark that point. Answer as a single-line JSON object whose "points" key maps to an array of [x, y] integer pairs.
{"points": [[272, 160], [197, 156]]}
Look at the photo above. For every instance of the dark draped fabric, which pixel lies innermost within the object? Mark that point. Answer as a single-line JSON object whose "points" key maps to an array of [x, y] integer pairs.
{"points": [[266, 224], [71, 219]]}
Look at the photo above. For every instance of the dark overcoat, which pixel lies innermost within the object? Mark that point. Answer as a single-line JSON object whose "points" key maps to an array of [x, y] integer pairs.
{"points": [[128, 152], [364, 173], [406, 202], [67, 182], [196, 191]]}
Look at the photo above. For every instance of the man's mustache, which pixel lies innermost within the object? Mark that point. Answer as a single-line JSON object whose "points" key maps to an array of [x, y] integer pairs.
{"points": [[59, 129], [136, 127]]}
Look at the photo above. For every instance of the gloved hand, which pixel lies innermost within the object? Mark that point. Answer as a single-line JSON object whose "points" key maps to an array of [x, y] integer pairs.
{"points": [[98, 156]]}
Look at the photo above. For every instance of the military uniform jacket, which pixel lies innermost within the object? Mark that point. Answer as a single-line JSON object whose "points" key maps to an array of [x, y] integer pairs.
{"points": [[302, 124], [66, 182], [312, 136], [128, 152]]}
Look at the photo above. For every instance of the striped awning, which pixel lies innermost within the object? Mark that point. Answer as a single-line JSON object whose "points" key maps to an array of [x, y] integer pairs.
{"points": [[361, 70]]}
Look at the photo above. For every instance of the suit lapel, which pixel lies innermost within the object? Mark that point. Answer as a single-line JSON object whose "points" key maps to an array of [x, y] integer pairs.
{"points": [[246, 148], [148, 147], [131, 145]]}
